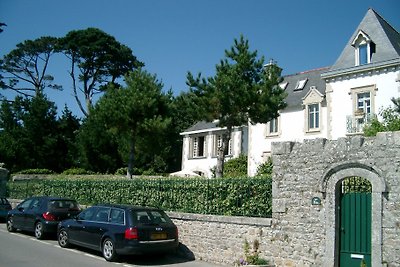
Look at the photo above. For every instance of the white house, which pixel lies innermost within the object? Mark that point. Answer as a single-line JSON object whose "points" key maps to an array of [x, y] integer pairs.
{"points": [[327, 103], [200, 144]]}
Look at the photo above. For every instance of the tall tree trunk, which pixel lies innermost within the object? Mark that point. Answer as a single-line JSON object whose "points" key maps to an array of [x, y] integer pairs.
{"points": [[221, 152], [131, 160]]}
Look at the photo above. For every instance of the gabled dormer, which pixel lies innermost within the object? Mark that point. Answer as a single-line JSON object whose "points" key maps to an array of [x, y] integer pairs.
{"points": [[374, 44], [364, 47]]}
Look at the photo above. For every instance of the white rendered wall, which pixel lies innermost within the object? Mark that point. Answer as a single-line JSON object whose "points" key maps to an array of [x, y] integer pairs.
{"points": [[340, 100], [292, 128], [204, 164]]}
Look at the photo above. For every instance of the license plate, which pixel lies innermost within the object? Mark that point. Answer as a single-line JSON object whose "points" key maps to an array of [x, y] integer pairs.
{"points": [[158, 236]]}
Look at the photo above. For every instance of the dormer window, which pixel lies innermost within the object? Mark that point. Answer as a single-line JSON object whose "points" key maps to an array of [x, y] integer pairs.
{"points": [[364, 48]]}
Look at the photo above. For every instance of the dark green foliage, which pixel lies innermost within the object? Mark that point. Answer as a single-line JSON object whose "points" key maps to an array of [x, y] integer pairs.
{"points": [[265, 169], [237, 197], [36, 171], [242, 90], [26, 67], [99, 59], [76, 171], [236, 167]]}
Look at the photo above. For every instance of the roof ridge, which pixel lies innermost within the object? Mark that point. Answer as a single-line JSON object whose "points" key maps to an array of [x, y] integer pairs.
{"points": [[382, 18], [308, 71]]}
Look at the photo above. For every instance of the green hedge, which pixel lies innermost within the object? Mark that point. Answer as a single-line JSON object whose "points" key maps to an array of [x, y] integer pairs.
{"points": [[238, 197]]}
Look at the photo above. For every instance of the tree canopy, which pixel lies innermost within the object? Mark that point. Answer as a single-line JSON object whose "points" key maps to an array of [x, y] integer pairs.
{"points": [[96, 60], [25, 68], [242, 90]]}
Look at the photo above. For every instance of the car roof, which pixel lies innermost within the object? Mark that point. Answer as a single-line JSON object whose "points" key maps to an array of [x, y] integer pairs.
{"points": [[53, 198], [126, 206]]}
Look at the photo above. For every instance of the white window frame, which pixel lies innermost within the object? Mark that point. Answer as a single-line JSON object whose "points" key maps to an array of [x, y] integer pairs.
{"points": [[361, 40], [276, 125], [195, 145], [314, 113], [218, 143], [313, 97]]}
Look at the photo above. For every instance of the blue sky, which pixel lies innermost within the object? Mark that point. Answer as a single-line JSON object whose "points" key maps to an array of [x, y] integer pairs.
{"points": [[173, 37]]}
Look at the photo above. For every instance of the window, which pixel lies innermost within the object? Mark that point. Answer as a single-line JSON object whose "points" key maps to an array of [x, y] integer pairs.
{"points": [[300, 84], [102, 215], [362, 54], [218, 144], [313, 116], [273, 127], [198, 146], [364, 48], [87, 214], [283, 85], [364, 102], [117, 216]]}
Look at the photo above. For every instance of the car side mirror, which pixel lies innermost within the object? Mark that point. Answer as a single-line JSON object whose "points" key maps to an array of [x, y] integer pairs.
{"points": [[21, 209]]}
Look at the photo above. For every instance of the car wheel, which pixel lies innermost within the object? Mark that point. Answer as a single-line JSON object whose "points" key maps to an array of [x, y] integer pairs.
{"points": [[63, 239], [10, 224], [39, 230], [108, 250]]}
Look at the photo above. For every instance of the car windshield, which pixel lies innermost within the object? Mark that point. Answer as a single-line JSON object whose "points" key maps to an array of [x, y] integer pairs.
{"points": [[63, 205], [150, 217]]}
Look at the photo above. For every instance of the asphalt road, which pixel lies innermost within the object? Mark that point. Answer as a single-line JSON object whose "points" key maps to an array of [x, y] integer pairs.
{"points": [[23, 249]]}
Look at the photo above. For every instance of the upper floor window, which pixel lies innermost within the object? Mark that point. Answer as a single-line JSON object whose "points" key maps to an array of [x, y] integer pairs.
{"points": [[313, 116], [364, 48], [312, 110]]}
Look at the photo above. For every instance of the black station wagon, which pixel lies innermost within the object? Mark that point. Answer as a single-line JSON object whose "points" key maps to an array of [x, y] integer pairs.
{"points": [[120, 230], [41, 215]]}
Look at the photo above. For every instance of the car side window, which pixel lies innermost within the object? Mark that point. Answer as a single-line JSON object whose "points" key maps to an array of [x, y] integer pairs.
{"points": [[102, 215], [24, 205], [87, 214], [117, 216], [35, 204]]}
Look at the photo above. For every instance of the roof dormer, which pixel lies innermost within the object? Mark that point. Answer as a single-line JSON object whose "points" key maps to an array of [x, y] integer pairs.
{"points": [[364, 47]]}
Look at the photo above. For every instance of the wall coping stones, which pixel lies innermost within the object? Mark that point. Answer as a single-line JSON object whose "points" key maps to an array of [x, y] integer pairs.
{"points": [[254, 221]]}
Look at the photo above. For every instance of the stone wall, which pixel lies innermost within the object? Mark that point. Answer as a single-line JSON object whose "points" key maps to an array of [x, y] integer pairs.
{"points": [[300, 233]]}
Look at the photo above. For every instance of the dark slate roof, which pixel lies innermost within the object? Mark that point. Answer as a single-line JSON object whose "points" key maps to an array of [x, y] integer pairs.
{"points": [[385, 37], [295, 97], [201, 125]]}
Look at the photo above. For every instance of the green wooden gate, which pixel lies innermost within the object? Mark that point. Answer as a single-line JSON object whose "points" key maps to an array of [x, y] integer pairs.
{"points": [[355, 222]]}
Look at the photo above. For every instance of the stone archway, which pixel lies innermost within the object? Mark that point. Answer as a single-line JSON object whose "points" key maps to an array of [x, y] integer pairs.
{"points": [[329, 187]]}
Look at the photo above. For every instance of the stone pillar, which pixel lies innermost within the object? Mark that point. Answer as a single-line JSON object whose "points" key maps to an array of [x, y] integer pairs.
{"points": [[3, 180]]}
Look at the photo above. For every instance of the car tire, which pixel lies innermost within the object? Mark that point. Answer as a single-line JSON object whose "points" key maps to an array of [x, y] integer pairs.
{"points": [[63, 239], [39, 234], [10, 224], [108, 250]]}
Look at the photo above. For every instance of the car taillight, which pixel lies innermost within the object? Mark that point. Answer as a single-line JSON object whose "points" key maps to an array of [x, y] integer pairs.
{"points": [[49, 217], [131, 233]]}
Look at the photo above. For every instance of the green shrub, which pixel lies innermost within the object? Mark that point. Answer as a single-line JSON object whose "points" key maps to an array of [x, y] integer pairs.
{"points": [[36, 171], [265, 169], [121, 171], [77, 171], [236, 167], [236, 197]]}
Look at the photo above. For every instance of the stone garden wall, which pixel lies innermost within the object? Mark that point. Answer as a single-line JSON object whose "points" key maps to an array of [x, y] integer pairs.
{"points": [[301, 233]]}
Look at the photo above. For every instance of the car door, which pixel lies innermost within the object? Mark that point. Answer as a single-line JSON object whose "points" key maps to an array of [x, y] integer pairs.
{"points": [[18, 214], [77, 227], [96, 229], [31, 213]]}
